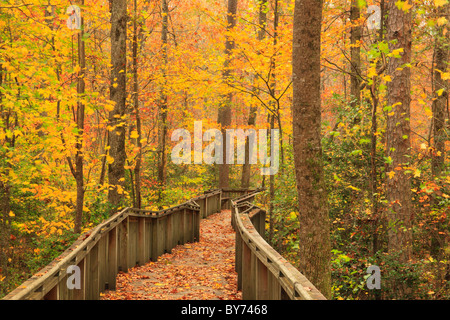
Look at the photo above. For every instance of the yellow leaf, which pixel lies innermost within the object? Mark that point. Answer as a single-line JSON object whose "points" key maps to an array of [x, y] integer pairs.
{"points": [[403, 5], [441, 21], [417, 173], [445, 75], [372, 72], [11, 214], [423, 146], [391, 174], [292, 215], [134, 135], [109, 159], [439, 3]]}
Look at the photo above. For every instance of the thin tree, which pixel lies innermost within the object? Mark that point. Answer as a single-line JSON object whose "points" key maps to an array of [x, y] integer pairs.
{"points": [[224, 114], [246, 168], [162, 110], [440, 113], [116, 170]]}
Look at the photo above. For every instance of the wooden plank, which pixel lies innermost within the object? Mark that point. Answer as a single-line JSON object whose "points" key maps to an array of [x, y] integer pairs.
{"points": [[154, 244], [122, 246], [274, 287], [162, 235], [112, 258], [262, 281], [238, 259], [148, 238], [92, 286], [102, 262], [141, 246], [132, 241], [196, 221], [80, 294], [168, 232], [248, 280]]}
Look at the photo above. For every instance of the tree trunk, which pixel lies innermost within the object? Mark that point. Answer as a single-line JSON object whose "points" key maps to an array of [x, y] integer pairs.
{"points": [[224, 115], [314, 233], [398, 143], [439, 107], [116, 170], [79, 158], [246, 168], [441, 54], [137, 169], [355, 55]]}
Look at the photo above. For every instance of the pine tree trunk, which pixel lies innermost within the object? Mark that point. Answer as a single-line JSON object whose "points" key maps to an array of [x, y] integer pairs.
{"points": [[314, 233], [398, 143]]}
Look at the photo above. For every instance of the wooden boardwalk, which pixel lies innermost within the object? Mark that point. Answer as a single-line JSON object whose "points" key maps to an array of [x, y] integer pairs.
{"points": [[203, 270]]}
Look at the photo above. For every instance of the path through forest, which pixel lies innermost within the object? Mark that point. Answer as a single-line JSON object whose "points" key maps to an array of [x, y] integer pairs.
{"points": [[202, 270]]}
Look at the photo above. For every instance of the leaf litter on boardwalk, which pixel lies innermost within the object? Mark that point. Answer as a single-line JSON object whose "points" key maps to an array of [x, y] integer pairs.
{"points": [[202, 270]]}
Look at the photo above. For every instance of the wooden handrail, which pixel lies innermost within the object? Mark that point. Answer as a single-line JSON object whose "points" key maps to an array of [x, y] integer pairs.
{"points": [[262, 272], [135, 236], [128, 238]]}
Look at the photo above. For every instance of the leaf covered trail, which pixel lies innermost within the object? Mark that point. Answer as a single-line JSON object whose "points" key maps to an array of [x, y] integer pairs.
{"points": [[202, 270]]}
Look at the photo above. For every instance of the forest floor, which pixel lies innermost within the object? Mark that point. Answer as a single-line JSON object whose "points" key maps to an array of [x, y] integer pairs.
{"points": [[202, 270]]}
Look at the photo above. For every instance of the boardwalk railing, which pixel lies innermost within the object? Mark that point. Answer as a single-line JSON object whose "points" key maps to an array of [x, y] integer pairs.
{"points": [[263, 274], [129, 238], [133, 237]]}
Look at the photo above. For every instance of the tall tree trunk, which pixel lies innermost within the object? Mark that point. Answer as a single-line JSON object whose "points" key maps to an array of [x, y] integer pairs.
{"points": [[246, 168], [224, 115], [398, 143], [79, 158], [314, 233], [5, 192], [162, 121], [355, 55], [441, 54], [137, 169], [116, 170], [440, 107]]}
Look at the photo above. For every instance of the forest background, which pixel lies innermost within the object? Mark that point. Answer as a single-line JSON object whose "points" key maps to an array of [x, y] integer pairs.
{"points": [[60, 124]]}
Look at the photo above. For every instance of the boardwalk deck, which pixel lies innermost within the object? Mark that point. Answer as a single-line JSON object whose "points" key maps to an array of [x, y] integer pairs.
{"points": [[203, 270]]}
